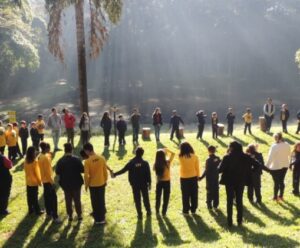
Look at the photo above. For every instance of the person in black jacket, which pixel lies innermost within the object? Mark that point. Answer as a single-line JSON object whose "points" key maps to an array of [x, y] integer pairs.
{"points": [[230, 121], [255, 184], [295, 166], [236, 170], [35, 137], [284, 116], [5, 184], [135, 122], [212, 178], [106, 124], [214, 124], [69, 169], [201, 123], [24, 134], [174, 125], [85, 128], [140, 180], [122, 128], [157, 122]]}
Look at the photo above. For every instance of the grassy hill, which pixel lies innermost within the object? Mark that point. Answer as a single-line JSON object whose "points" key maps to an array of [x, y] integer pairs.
{"points": [[269, 225]]}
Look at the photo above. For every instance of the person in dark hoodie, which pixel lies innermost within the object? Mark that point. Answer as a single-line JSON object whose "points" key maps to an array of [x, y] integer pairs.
{"points": [[122, 128], [255, 184], [236, 168], [201, 123], [24, 134], [35, 137], [295, 166], [106, 125], [230, 121], [5, 184], [212, 178], [174, 125], [135, 122], [284, 116], [140, 180]]}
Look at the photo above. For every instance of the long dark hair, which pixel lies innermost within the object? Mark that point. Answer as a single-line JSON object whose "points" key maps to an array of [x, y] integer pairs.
{"points": [[30, 155], [161, 163], [235, 148], [186, 150], [106, 116]]}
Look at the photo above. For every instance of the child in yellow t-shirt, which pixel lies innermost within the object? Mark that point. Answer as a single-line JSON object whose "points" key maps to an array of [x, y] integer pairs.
{"points": [[40, 125], [248, 120], [11, 142]]}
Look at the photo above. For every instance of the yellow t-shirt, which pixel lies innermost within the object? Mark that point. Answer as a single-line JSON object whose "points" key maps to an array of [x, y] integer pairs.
{"points": [[40, 125], [45, 168], [17, 132], [247, 117], [32, 173], [95, 171], [11, 138], [189, 166], [2, 137]]}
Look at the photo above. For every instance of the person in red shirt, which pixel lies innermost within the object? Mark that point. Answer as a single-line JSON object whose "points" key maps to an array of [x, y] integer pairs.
{"points": [[69, 120], [5, 184]]}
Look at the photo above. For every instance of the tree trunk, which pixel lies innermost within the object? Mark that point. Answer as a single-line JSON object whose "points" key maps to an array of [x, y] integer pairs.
{"points": [[81, 54]]}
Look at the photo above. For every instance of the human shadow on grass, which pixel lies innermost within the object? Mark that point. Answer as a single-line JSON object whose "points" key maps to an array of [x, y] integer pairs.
{"points": [[21, 233], [201, 230], [223, 144], [169, 232], [121, 152], [259, 140], [274, 216], [291, 142], [249, 217], [143, 236], [242, 142], [291, 208], [204, 142], [292, 136], [106, 153], [160, 145]]}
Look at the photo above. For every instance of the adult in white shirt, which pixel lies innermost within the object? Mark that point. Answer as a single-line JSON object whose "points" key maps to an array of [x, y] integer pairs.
{"points": [[269, 110], [278, 163]]}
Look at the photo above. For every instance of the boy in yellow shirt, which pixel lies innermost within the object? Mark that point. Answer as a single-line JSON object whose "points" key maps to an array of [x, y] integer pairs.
{"points": [[95, 177], [11, 142], [33, 181], [248, 120], [40, 125], [50, 197]]}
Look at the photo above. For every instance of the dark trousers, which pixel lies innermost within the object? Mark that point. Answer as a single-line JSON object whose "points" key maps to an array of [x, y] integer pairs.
{"points": [[189, 191], [2, 150], [237, 193], [176, 131], [138, 192], [278, 178], [19, 150], [98, 202], [50, 199], [70, 135], [24, 146], [70, 196], [106, 137], [247, 127], [12, 152], [296, 177], [162, 187], [268, 122], [41, 135], [84, 137], [255, 187], [212, 196], [215, 131], [32, 199], [284, 126], [5, 188], [135, 134], [121, 138], [230, 129], [298, 128], [200, 130]]}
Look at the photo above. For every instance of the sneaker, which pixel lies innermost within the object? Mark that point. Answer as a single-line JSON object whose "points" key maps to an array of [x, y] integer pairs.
{"points": [[41, 212], [280, 198], [103, 222], [185, 214]]}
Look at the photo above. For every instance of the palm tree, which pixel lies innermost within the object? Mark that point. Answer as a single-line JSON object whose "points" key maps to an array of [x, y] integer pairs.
{"points": [[98, 33]]}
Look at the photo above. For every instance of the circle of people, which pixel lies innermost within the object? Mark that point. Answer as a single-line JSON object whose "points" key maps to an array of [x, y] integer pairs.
{"points": [[237, 168]]}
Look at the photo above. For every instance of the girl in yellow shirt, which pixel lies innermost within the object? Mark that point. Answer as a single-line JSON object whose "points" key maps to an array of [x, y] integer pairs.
{"points": [[11, 142], [189, 173], [33, 181], [164, 158]]}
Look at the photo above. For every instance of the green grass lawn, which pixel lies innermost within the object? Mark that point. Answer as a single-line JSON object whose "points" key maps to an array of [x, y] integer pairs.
{"points": [[271, 225]]}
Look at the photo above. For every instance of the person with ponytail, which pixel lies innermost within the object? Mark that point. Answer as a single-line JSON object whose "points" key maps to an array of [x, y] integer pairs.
{"points": [[163, 160]]}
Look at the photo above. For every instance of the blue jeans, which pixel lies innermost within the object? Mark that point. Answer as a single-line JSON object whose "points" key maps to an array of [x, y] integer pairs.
{"points": [[157, 132], [55, 137]]}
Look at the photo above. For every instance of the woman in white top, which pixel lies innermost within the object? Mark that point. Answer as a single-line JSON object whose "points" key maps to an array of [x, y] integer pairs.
{"points": [[278, 163]]}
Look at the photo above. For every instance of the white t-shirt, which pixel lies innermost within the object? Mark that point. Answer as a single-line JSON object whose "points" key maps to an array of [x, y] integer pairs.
{"points": [[279, 156]]}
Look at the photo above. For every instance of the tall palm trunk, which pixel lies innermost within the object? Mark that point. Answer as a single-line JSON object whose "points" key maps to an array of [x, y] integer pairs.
{"points": [[81, 54]]}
